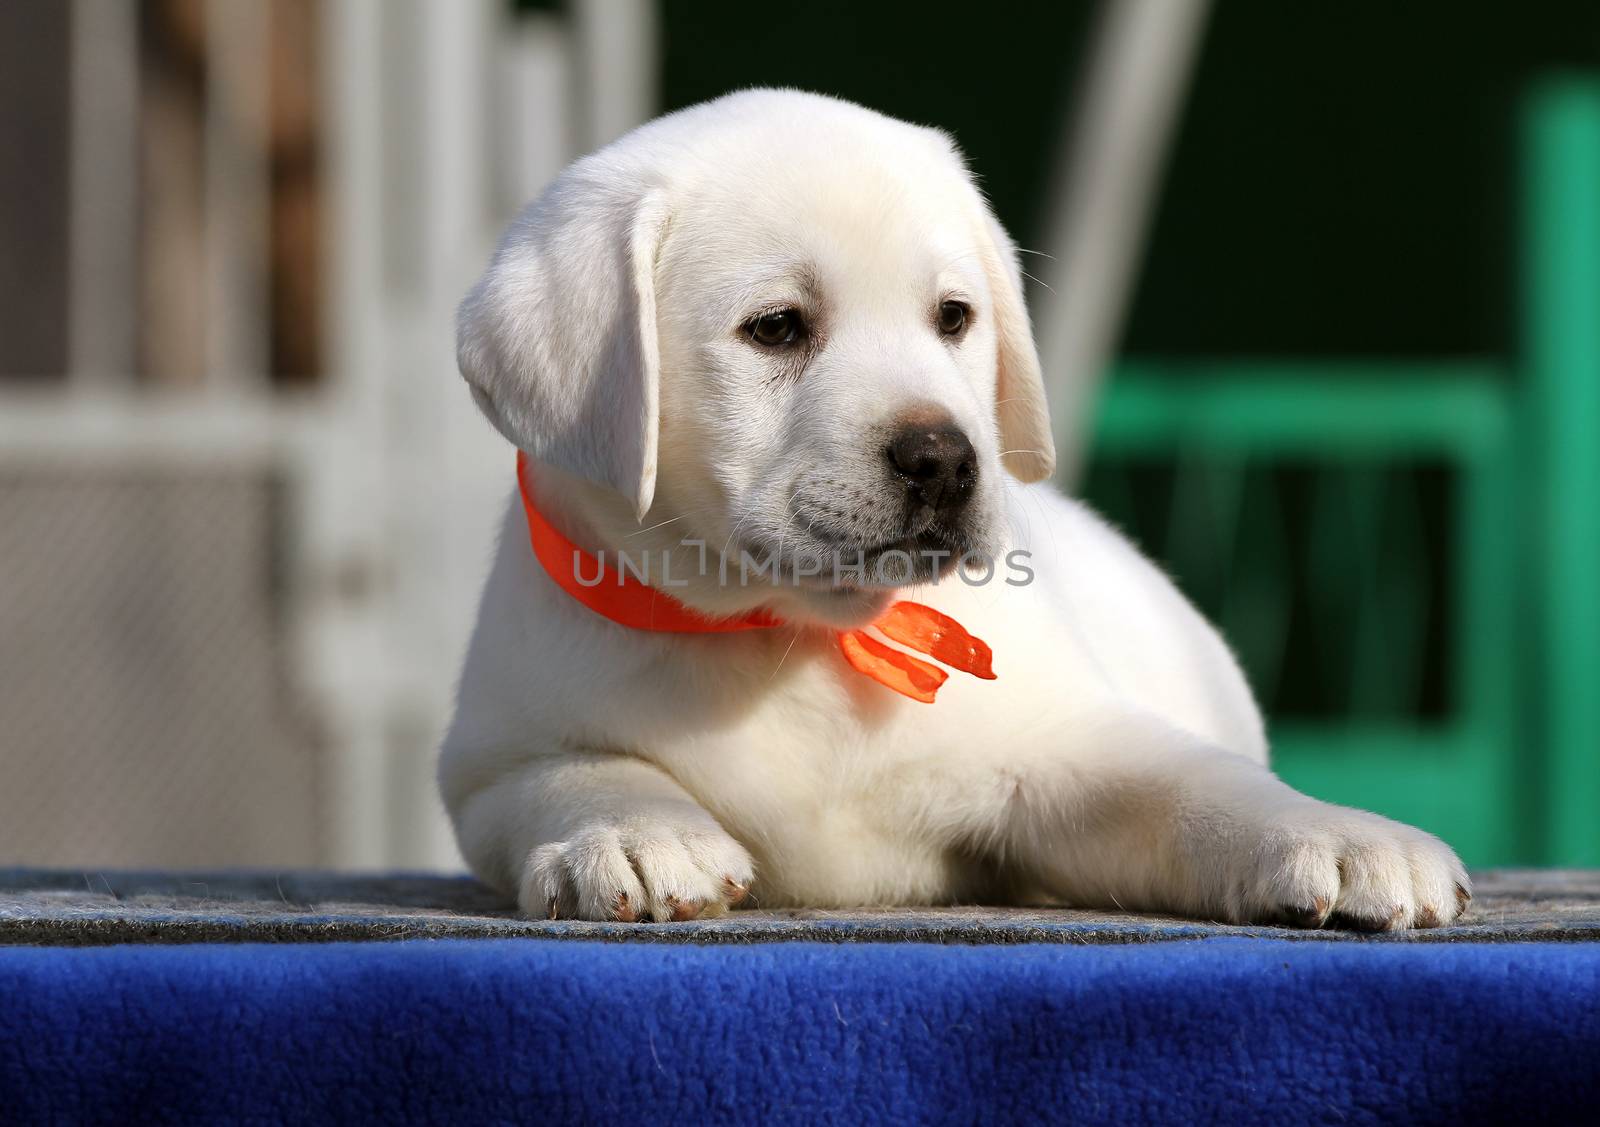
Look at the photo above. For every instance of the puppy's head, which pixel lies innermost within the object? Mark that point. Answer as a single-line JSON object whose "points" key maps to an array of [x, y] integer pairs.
{"points": [[791, 322]]}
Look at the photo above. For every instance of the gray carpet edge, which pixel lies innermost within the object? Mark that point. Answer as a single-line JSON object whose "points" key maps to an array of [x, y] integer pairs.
{"points": [[78, 908]]}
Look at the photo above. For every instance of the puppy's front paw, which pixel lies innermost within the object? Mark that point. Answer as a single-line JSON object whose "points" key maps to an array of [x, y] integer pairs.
{"points": [[637, 869], [1328, 865]]}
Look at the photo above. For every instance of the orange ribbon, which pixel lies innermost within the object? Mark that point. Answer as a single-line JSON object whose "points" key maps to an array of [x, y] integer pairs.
{"points": [[629, 602]]}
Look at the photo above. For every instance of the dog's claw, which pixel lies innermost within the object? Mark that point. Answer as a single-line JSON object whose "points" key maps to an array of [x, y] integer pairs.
{"points": [[1463, 898], [682, 909], [1296, 916], [736, 891], [623, 910]]}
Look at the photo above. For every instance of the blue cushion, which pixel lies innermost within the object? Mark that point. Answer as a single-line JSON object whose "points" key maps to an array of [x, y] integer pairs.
{"points": [[573, 1031]]}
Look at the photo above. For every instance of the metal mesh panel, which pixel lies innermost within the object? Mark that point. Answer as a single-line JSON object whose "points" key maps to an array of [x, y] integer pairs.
{"points": [[144, 718]]}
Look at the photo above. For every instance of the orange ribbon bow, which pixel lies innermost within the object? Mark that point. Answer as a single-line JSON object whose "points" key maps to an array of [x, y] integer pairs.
{"points": [[629, 602]]}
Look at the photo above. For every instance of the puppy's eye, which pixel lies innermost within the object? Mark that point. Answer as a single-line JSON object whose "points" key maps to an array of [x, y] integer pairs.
{"points": [[776, 329], [952, 318]]}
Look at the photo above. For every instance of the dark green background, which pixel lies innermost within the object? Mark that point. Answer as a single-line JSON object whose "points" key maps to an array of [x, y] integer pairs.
{"points": [[1341, 181]]}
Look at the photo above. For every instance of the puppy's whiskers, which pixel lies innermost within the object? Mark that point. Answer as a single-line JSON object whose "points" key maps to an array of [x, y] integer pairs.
{"points": [[701, 511], [1037, 281], [653, 527], [786, 653], [788, 509], [726, 544]]}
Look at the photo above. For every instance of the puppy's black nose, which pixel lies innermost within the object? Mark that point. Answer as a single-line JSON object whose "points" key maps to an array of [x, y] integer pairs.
{"points": [[937, 464]]}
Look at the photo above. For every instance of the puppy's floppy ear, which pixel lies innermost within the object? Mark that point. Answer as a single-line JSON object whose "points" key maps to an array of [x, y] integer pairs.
{"points": [[1020, 407], [558, 338]]}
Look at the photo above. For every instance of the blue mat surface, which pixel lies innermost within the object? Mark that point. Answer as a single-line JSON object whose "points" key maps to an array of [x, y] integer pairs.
{"points": [[1243, 1030]]}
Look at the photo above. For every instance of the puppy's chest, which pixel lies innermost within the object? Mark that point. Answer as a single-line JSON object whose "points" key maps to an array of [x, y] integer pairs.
{"points": [[782, 706], [808, 730]]}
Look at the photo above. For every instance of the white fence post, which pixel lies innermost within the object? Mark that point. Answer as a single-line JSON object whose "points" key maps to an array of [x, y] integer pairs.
{"points": [[103, 218], [1104, 189], [237, 194]]}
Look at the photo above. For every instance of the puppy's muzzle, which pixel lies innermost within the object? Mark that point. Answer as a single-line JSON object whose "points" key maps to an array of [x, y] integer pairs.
{"points": [[937, 463]]}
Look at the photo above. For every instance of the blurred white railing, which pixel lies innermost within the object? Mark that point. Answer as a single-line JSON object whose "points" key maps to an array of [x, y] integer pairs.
{"points": [[439, 118]]}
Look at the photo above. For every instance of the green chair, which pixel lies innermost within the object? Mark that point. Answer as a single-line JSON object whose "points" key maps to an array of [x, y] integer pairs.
{"points": [[1406, 556]]}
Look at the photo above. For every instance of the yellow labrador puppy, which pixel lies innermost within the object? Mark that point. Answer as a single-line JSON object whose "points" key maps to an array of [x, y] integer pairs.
{"points": [[770, 366]]}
